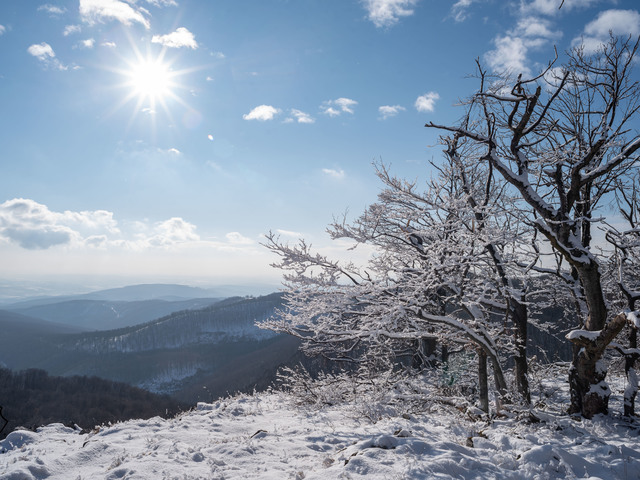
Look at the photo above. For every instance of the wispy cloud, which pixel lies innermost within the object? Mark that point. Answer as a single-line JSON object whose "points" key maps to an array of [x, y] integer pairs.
{"points": [[52, 9], [300, 116], [2, 29], [93, 11], [262, 113], [387, 111], [163, 3], [45, 54], [459, 10], [551, 7], [427, 102], [333, 108], [70, 29], [618, 22], [337, 174], [108, 44], [385, 13], [289, 233], [237, 238], [180, 38]]}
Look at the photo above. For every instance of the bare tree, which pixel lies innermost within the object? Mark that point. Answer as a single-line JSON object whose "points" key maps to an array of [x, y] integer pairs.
{"points": [[561, 140], [626, 270]]}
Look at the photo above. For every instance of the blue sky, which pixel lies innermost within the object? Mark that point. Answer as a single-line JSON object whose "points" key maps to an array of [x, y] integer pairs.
{"points": [[159, 139]]}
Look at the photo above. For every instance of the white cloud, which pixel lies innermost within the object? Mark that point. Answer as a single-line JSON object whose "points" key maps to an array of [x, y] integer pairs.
{"points": [[46, 55], [236, 238], [41, 51], [108, 44], [301, 116], [384, 13], [618, 22], [2, 29], [69, 29], [262, 113], [218, 55], [93, 11], [52, 9], [33, 226], [180, 38], [511, 50], [173, 231], [88, 43], [509, 56], [174, 151], [344, 105], [338, 174], [387, 111], [427, 102]]}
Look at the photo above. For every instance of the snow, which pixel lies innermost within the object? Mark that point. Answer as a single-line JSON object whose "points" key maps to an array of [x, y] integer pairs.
{"points": [[590, 335], [264, 436]]}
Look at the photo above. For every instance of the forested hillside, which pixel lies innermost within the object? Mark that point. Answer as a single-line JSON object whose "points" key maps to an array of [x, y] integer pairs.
{"points": [[193, 354], [32, 398]]}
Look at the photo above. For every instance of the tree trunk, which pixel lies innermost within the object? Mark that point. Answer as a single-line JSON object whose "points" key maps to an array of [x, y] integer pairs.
{"points": [[589, 392], [632, 378], [594, 297], [520, 320], [483, 383]]}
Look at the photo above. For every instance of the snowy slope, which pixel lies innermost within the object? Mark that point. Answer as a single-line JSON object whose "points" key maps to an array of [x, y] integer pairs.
{"points": [[263, 437]]}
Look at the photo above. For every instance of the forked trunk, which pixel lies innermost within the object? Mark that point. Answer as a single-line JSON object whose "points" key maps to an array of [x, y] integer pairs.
{"points": [[589, 391]]}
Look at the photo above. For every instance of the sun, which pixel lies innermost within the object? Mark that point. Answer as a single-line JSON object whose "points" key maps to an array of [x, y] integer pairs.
{"points": [[154, 83], [151, 80]]}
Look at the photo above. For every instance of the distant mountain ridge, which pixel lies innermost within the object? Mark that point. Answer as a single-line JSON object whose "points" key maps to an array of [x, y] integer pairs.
{"points": [[122, 307], [92, 315], [139, 292]]}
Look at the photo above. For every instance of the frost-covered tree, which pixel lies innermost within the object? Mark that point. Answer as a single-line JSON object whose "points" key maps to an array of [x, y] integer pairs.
{"points": [[561, 140], [443, 268]]}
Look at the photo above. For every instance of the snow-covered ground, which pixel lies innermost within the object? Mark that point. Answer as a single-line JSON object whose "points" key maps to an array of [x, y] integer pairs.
{"points": [[263, 436]]}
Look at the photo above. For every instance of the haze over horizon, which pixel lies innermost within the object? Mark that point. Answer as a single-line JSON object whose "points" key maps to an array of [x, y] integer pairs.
{"points": [[156, 141]]}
